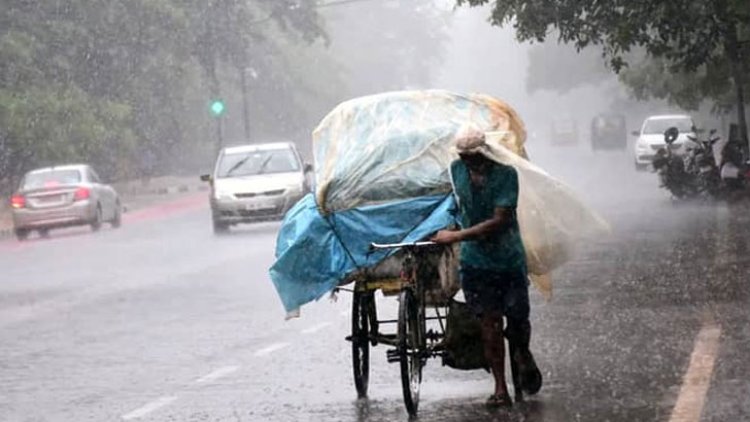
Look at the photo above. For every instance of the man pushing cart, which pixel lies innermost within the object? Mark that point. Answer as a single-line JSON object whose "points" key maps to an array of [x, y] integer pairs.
{"points": [[390, 170]]}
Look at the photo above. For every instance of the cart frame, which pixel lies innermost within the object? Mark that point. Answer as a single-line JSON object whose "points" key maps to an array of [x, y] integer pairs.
{"points": [[412, 343]]}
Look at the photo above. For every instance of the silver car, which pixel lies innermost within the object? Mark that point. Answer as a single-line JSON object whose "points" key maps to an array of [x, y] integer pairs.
{"points": [[63, 196], [257, 182]]}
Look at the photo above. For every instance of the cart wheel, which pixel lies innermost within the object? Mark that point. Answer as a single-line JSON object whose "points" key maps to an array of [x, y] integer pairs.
{"points": [[410, 345], [361, 342]]}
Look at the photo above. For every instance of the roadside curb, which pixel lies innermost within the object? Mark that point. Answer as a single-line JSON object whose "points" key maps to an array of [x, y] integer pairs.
{"points": [[164, 190]]}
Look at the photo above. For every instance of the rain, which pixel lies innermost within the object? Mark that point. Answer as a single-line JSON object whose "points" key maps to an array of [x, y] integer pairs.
{"points": [[254, 210]]}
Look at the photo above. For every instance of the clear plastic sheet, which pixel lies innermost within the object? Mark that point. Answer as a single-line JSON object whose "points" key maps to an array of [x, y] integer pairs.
{"points": [[553, 221], [399, 145]]}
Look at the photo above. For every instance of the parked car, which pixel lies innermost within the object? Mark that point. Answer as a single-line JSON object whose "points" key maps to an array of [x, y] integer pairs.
{"points": [[651, 137], [257, 182], [608, 131], [63, 196]]}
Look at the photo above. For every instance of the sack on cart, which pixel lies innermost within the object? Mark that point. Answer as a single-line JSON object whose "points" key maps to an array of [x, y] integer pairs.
{"points": [[439, 272]]}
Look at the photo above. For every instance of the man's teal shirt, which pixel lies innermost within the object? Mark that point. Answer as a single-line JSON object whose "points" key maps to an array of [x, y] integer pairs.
{"points": [[503, 250]]}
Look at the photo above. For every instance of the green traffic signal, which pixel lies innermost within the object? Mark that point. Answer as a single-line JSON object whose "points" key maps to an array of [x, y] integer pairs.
{"points": [[217, 108]]}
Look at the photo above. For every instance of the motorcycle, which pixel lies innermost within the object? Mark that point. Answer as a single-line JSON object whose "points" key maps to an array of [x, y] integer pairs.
{"points": [[672, 170], [697, 173], [701, 162], [735, 169]]}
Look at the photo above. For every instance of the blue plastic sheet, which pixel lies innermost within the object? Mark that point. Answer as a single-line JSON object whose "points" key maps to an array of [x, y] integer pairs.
{"points": [[314, 254]]}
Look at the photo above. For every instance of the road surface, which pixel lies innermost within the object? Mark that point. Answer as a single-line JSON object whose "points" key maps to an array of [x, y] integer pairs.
{"points": [[163, 321]]}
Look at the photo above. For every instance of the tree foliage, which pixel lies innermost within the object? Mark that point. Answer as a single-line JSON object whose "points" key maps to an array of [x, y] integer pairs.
{"points": [[105, 80], [694, 49], [126, 84], [557, 67]]}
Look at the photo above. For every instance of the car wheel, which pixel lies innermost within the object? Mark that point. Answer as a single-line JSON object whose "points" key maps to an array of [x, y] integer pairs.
{"points": [[117, 219], [21, 234], [44, 233], [220, 228], [96, 224]]}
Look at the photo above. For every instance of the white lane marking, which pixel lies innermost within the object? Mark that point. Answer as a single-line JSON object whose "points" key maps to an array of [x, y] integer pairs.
{"points": [[272, 348], [316, 328], [216, 374], [149, 407], [697, 379]]}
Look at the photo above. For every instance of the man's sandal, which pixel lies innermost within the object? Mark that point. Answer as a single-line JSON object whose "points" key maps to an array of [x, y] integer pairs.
{"points": [[531, 377], [499, 401]]}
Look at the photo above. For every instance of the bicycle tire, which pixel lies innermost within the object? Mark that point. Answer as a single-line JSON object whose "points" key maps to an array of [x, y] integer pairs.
{"points": [[361, 342], [410, 348]]}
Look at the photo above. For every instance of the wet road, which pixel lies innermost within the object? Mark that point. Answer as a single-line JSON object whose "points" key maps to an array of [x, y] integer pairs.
{"points": [[162, 321]]}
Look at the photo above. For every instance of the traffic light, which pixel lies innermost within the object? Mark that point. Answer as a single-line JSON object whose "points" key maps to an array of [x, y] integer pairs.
{"points": [[217, 108]]}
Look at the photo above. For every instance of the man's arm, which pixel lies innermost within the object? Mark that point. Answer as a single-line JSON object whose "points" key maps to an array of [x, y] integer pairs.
{"points": [[500, 220]]}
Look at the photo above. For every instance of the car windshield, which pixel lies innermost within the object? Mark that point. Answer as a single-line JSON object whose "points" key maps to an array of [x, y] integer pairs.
{"points": [[658, 126], [250, 163], [52, 178]]}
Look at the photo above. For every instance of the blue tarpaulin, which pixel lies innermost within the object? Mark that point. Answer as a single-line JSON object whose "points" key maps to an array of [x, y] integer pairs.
{"points": [[315, 253]]}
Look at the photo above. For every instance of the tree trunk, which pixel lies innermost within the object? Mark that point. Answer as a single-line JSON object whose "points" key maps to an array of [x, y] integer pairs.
{"points": [[735, 62], [245, 111]]}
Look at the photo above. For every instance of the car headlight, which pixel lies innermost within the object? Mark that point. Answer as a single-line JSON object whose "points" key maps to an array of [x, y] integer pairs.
{"points": [[221, 194]]}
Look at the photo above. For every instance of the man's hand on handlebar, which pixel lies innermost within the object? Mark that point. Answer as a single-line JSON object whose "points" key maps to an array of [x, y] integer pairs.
{"points": [[446, 237]]}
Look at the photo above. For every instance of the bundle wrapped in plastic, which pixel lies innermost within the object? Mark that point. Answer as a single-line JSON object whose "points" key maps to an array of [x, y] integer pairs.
{"points": [[399, 145], [382, 175]]}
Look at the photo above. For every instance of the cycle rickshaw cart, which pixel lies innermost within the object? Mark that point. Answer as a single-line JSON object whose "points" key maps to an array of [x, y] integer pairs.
{"points": [[422, 298], [382, 186]]}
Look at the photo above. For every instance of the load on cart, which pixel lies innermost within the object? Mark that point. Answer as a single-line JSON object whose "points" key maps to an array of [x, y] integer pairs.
{"points": [[382, 186]]}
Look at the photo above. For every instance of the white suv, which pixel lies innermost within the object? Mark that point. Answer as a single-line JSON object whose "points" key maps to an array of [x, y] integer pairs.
{"points": [[651, 137]]}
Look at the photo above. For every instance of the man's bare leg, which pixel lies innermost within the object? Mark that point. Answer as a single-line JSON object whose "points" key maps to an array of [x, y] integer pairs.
{"points": [[494, 350]]}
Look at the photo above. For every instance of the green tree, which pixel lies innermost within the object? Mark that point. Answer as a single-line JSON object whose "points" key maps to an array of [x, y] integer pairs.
{"points": [[697, 39], [557, 67], [112, 81], [126, 84]]}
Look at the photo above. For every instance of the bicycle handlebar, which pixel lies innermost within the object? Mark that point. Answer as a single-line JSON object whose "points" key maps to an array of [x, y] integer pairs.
{"points": [[401, 245]]}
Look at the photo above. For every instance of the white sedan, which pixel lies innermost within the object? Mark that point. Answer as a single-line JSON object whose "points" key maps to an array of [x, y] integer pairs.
{"points": [[651, 137]]}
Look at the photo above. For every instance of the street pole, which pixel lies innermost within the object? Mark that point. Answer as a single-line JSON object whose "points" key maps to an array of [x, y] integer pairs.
{"points": [[219, 137], [217, 110], [245, 111]]}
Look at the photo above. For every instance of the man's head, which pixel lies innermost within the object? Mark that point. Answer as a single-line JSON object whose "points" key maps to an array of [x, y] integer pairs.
{"points": [[471, 146]]}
